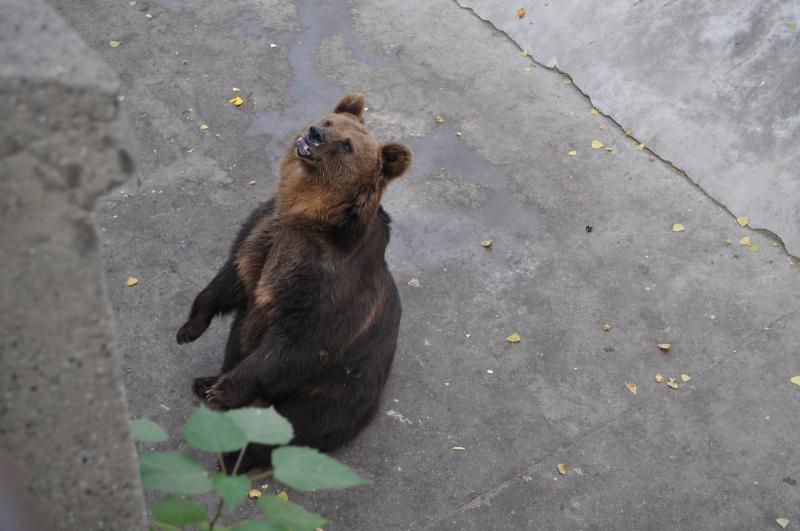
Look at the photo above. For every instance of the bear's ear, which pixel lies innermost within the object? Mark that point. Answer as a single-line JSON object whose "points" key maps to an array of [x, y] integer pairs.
{"points": [[395, 160], [352, 103]]}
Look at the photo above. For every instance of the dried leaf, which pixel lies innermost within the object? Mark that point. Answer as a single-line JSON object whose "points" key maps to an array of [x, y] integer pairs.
{"points": [[578, 471], [252, 183], [414, 282], [203, 127], [672, 384], [458, 449], [791, 25], [606, 327], [743, 221], [728, 241], [236, 89], [753, 248], [572, 153], [783, 522], [236, 101], [283, 496], [439, 119], [666, 347], [795, 380], [514, 338], [254, 493], [629, 132], [524, 53], [132, 281], [520, 12], [745, 241], [685, 378], [486, 243], [113, 44], [631, 387], [640, 147], [562, 468], [678, 227], [458, 134], [596, 144], [595, 112], [659, 378]]}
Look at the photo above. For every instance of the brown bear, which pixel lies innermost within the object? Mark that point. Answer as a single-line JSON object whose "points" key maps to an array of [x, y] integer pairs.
{"points": [[316, 310]]}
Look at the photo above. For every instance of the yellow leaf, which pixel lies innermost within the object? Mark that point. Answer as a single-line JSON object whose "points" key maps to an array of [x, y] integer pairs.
{"points": [[283, 496], [414, 283], [606, 327], [666, 347], [132, 281], [628, 132], [795, 380], [685, 378], [631, 387], [672, 384], [113, 44], [745, 240], [524, 53], [514, 338], [596, 144], [458, 449], [728, 241], [677, 227], [439, 119], [594, 112], [562, 468], [520, 12], [236, 101], [254, 493], [659, 378], [743, 221], [752, 248], [486, 243], [203, 127], [640, 147], [236, 89], [572, 153]]}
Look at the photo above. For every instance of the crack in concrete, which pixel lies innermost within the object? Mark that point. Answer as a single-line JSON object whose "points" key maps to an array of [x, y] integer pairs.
{"points": [[763, 231]]}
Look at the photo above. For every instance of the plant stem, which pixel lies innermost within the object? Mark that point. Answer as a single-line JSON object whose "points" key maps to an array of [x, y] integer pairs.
{"points": [[216, 515], [222, 463], [239, 460], [262, 475]]}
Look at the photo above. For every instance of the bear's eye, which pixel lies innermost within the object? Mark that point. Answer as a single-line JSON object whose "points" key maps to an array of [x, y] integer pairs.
{"points": [[348, 146], [328, 123]]}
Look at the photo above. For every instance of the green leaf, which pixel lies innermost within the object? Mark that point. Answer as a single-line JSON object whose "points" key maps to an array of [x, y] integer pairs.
{"points": [[173, 472], [783, 522], [262, 425], [258, 525], [306, 469], [178, 512], [213, 432], [290, 514], [146, 430], [232, 489]]}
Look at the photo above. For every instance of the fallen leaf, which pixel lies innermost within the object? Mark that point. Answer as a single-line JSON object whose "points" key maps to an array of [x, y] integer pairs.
{"points": [[631, 387], [567, 81], [666, 347], [628, 132], [486, 243], [753, 248], [439, 119], [458, 134], [283, 496], [745, 241], [743, 221], [252, 183], [728, 241], [489, 371], [775, 244], [113, 44], [236, 89], [273, 45], [578, 471], [254, 493], [783, 522], [572, 153], [640, 147], [685, 378], [514, 338], [562, 468], [595, 112], [203, 127], [672, 384], [132, 281], [120, 98], [414, 283], [758, 130], [678, 227], [236, 101], [795, 380], [659, 378], [596, 144], [791, 26], [606, 327], [524, 53], [458, 449], [520, 12]]}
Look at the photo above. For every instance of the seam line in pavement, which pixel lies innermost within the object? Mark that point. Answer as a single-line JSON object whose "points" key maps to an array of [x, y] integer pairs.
{"points": [[766, 232]]}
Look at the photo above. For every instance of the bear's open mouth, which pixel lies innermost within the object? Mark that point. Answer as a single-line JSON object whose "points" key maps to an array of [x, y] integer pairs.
{"points": [[304, 149]]}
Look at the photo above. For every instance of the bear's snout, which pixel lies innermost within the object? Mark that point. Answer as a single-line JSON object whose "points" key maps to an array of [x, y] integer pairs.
{"points": [[315, 136]]}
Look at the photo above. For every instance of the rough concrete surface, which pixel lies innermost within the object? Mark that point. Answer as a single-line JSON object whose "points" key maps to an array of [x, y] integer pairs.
{"points": [[718, 452], [63, 414], [713, 87]]}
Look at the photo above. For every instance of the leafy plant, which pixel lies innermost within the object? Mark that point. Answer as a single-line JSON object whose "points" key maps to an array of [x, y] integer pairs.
{"points": [[178, 474]]}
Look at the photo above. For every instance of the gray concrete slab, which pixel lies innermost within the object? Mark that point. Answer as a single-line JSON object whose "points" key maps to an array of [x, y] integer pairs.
{"points": [[710, 86], [560, 394]]}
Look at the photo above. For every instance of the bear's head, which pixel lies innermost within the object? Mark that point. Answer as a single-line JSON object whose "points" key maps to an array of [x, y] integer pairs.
{"points": [[336, 167]]}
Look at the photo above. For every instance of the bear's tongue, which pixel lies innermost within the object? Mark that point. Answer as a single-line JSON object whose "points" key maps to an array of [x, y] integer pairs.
{"points": [[302, 147]]}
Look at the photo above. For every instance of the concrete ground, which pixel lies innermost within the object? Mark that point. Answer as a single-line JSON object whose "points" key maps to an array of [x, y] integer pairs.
{"points": [[578, 241]]}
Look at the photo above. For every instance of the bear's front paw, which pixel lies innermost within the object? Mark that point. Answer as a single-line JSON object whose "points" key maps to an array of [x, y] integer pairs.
{"points": [[190, 331], [225, 393], [201, 385]]}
